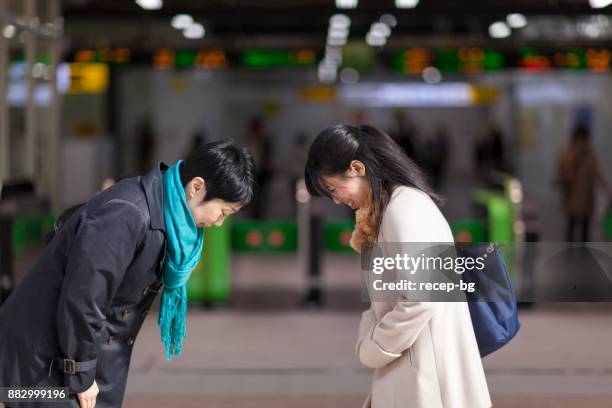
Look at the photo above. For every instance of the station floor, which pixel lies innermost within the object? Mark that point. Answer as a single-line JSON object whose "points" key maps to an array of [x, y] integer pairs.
{"points": [[265, 349], [561, 358]]}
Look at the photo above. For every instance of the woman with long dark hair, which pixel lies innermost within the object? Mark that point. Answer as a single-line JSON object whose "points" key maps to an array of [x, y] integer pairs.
{"points": [[424, 354]]}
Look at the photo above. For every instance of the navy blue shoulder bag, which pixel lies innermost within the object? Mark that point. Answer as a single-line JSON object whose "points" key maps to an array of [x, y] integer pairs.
{"points": [[493, 306]]}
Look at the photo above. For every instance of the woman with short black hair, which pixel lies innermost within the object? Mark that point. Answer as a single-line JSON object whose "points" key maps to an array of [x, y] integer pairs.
{"points": [[74, 318]]}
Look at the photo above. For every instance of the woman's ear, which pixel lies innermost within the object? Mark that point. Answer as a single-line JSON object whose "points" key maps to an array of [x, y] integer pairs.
{"points": [[357, 168], [196, 188]]}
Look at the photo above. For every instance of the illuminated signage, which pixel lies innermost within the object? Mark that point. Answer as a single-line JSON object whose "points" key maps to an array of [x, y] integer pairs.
{"points": [[108, 55], [86, 78], [468, 60], [261, 59], [208, 59]]}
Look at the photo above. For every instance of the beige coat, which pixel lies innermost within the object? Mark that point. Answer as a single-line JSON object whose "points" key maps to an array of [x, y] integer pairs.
{"points": [[424, 354]]}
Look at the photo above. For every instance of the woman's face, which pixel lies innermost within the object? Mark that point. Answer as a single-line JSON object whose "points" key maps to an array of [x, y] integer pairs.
{"points": [[207, 213], [352, 188]]}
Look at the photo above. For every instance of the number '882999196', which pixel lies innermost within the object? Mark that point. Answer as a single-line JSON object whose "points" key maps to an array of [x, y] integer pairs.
{"points": [[19, 394]]}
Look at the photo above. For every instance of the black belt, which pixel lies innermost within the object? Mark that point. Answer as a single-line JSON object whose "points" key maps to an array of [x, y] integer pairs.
{"points": [[70, 366]]}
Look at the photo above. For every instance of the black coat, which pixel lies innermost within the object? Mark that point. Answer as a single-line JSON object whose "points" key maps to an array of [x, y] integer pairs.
{"points": [[87, 296]]}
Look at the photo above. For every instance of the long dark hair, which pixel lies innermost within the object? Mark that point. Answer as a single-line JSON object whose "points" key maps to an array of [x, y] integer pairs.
{"points": [[387, 166]]}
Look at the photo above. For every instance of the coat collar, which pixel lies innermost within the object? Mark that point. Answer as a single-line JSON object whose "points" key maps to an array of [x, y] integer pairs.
{"points": [[153, 185]]}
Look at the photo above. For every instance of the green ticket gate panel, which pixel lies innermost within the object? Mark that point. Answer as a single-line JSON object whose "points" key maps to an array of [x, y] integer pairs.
{"points": [[337, 235], [469, 230], [500, 215], [210, 281], [247, 236], [30, 229], [280, 236], [500, 223], [19, 237]]}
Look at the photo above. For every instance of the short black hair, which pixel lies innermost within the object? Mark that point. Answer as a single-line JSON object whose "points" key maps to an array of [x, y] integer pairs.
{"points": [[581, 133], [227, 170]]}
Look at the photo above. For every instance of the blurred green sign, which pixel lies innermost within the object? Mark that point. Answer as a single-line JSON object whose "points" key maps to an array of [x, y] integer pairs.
{"points": [[261, 59]]}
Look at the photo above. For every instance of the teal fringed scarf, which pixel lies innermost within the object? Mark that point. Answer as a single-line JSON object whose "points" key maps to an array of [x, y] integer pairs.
{"points": [[183, 251]]}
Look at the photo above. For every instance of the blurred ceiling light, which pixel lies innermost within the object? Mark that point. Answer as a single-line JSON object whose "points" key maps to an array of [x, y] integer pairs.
{"points": [[600, 3], [339, 20], [375, 40], [337, 60], [597, 26], [333, 51], [432, 75], [406, 3], [9, 31], [380, 29], [328, 66], [333, 55], [389, 20], [329, 61], [194, 31], [346, 4], [336, 41], [349, 76], [591, 30], [516, 20], [181, 21], [499, 29], [150, 4], [407, 94], [338, 32], [332, 60], [327, 73]]}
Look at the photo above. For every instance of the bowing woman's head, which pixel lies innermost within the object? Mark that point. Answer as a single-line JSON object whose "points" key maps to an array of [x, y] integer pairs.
{"points": [[359, 166], [219, 179]]}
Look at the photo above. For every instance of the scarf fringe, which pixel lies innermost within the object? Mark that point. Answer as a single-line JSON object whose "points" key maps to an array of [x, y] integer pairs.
{"points": [[172, 320]]}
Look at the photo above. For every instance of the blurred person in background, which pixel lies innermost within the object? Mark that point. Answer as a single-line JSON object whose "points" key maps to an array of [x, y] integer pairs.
{"points": [[437, 150], [145, 145], [424, 354], [259, 144], [405, 133], [577, 175], [74, 318], [198, 140], [489, 153]]}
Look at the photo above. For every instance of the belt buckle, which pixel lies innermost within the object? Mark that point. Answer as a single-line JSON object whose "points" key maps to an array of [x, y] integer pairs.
{"points": [[69, 366]]}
